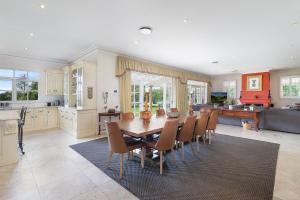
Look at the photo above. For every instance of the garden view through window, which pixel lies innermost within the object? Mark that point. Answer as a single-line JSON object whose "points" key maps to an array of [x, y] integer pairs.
{"points": [[18, 85], [197, 91], [160, 88], [290, 87]]}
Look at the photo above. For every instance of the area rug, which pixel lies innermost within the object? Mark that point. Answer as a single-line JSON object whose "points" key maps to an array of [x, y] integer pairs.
{"points": [[231, 168]]}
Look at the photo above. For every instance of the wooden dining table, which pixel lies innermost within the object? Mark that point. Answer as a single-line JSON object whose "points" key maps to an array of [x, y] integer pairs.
{"points": [[140, 128]]}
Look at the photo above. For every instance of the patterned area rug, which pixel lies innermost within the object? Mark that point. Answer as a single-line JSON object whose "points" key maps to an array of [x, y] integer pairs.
{"points": [[230, 168]]}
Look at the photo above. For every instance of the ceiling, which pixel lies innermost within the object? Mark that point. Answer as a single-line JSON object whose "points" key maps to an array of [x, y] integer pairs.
{"points": [[243, 35]]}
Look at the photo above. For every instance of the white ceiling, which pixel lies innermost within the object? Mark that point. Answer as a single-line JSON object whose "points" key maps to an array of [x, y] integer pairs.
{"points": [[248, 35]]}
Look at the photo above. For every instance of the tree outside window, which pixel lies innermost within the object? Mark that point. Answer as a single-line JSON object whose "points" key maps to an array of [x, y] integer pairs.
{"points": [[27, 90], [290, 87]]}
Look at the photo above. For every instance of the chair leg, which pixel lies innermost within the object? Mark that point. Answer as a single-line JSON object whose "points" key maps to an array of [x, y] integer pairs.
{"points": [[128, 155], [142, 156], [109, 158], [121, 165], [209, 136], [161, 162], [197, 141], [192, 148], [203, 137], [182, 151], [173, 156]]}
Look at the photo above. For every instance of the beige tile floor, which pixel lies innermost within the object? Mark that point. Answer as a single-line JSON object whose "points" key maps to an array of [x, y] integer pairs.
{"points": [[51, 170]]}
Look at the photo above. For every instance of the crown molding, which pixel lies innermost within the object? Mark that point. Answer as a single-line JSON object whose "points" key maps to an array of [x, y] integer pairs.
{"points": [[36, 58]]}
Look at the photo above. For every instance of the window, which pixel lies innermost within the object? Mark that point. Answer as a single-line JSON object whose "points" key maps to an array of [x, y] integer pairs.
{"points": [[230, 88], [18, 85], [290, 87], [161, 88], [197, 91], [5, 90]]}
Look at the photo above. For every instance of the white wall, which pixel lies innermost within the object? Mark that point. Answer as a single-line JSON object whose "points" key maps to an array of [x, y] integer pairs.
{"points": [[106, 80], [217, 82], [12, 62]]}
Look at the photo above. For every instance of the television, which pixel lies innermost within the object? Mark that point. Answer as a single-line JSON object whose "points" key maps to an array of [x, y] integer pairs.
{"points": [[218, 97]]}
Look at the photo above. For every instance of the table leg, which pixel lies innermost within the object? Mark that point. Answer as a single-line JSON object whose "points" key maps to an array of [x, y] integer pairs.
{"points": [[256, 120]]}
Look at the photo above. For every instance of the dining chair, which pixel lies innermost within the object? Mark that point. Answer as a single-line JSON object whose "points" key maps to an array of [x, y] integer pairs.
{"points": [[212, 124], [200, 128], [21, 123], [127, 116], [166, 140], [173, 109], [186, 133], [119, 144], [205, 110], [160, 112]]}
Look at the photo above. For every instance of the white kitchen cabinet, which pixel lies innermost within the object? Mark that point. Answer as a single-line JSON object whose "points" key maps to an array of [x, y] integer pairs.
{"points": [[80, 123], [54, 83], [51, 118]]}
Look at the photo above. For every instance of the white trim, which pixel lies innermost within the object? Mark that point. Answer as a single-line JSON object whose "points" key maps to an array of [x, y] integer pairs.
{"points": [[280, 87]]}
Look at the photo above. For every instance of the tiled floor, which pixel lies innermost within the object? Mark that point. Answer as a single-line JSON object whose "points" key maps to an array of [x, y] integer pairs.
{"points": [[51, 170]]}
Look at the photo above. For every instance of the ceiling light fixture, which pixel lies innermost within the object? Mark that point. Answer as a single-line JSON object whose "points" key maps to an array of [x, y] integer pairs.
{"points": [[186, 21], [215, 62], [145, 30], [136, 42], [42, 6], [26, 49], [31, 34]]}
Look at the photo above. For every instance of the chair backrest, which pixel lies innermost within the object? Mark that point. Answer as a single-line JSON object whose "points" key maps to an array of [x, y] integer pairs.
{"points": [[115, 138], [23, 115], [160, 112], [173, 109], [205, 110], [212, 122], [201, 124], [187, 130], [167, 137], [128, 116]]}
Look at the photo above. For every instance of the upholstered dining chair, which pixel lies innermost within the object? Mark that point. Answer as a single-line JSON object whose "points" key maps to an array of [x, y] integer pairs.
{"points": [[160, 112], [200, 128], [127, 116], [173, 109], [212, 124], [119, 144], [166, 140], [186, 133], [205, 110]]}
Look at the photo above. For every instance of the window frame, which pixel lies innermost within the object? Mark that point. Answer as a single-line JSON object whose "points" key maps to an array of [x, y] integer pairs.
{"points": [[280, 87], [225, 88], [14, 80]]}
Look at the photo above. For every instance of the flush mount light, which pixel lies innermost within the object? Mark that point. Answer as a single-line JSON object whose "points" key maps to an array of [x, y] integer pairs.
{"points": [[26, 49], [186, 21], [145, 30], [31, 34], [235, 71], [42, 6], [136, 42], [295, 23], [215, 62]]}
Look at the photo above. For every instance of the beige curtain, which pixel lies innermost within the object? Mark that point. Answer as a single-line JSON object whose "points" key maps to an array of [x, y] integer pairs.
{"points": [[128, 64], [125, 91], [181, 96]]}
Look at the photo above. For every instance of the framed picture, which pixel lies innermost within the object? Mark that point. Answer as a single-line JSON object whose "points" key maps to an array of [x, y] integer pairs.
{"points": [[254, 83]]}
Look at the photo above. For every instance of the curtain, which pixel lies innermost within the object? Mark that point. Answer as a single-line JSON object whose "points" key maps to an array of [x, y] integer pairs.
{"points": [[181, 96], [125, 91], [128, 64]]}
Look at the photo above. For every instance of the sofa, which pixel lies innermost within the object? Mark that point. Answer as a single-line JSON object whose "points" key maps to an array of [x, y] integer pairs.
{"points": [[286, 120]]}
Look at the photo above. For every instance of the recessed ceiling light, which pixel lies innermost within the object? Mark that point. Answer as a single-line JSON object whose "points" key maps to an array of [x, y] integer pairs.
{"points": [[26, 49], [145, 30], [234, 71], [186, 21], [31, 34], [136, 42], [215, 62], [292, 57], [42, 6]]}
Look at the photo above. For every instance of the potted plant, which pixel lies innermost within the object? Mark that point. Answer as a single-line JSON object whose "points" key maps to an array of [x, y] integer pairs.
{"points": [[230, 102]]}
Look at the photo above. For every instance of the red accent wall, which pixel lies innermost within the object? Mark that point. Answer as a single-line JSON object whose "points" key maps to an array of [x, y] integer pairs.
{"points": [[256, 97]]}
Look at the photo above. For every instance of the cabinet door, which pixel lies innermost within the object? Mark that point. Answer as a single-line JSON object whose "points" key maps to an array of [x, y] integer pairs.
{"points": [[51, 114], [29, 119], [40, 119], [54, 83], [59, 82]]}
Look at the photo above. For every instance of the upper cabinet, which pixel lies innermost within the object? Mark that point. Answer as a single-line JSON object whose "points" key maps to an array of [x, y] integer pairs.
{"points": [[79, 85], [54, 83]]}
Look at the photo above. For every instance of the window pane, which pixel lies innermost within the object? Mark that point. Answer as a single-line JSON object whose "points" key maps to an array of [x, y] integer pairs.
{"points": [[21, 85], [6, 73], [21, 96], [5, 95], [20, 74], [6, 85], [34, 76], [33, 95]]}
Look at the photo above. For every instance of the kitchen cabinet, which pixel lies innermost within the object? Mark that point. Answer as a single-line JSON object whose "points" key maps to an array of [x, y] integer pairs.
{"points": [[54, 83], [78, 122]]}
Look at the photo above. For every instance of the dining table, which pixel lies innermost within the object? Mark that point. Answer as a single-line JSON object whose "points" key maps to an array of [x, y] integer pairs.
{"points": [[140, 128]]}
